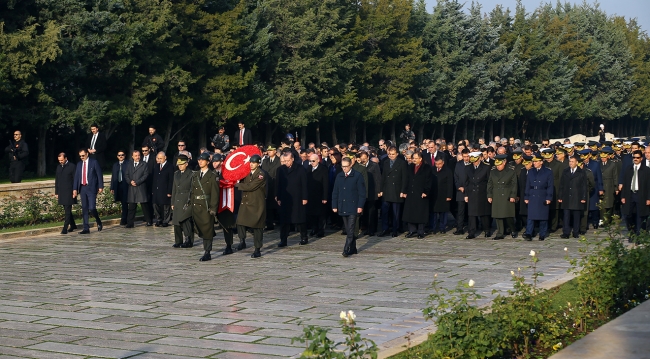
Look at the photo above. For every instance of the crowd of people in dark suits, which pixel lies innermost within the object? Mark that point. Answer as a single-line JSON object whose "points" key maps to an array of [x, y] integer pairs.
{"points": [[414, 189]]}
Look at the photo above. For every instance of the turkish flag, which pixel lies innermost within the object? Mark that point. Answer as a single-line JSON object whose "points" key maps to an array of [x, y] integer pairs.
{"points": [[235, 166]]}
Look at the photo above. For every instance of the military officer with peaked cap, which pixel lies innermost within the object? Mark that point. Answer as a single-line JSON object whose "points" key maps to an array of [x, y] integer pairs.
{"points": [[538, 195], [252, 211], [555, 166], [502, 194], [478, 207], [204, 199], [181, 209]]}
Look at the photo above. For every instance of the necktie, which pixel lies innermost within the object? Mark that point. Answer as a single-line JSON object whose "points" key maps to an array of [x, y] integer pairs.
{"points": [[119, 177], [161, 167], [432, 159], [135, 165], [634, 180], [92, 143], [573, 171], [84, 180], [241, 137], [438, 169], [201, 176], [346, 175]]}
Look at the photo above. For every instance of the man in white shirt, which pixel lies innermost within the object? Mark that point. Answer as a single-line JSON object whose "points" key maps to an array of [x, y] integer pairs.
{"points": [[635, 195], [96, 144]]}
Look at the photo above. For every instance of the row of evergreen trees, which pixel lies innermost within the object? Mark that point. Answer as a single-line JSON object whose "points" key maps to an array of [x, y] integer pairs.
{"points": [[326, 67]]}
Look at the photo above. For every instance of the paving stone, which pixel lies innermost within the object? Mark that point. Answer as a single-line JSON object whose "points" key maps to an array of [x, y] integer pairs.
{"points": [[84, 324], [148, 347], [234, 337], [114, 306], [84, 350], [30, 353]]}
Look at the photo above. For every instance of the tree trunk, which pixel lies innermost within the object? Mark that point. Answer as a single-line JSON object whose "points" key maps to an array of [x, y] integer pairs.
{"points": [[548, 129], [465, 129], [569, 129], [318, 134], [392, 132], [365, 134], [491, 126], [381, 132], [41, 161], [132, 142], [453, 138], [202, 131], [516, 135], [647, 131], [474, 131], [502, 133], [334, 139], [442, 131], [618, 127], [433, 132], [303, 136], [270, 129], [168, 134], [420, 133], [353, 131]]}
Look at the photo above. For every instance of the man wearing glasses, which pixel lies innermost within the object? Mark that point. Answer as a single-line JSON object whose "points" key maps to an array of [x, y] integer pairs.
{"points": [[119, 186], [348, 199], [18, 152], [88, 183], [635, 195]]}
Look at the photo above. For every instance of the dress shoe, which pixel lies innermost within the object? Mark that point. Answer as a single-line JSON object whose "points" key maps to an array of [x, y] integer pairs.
{"points": [[345, 253], [542, 238], [206, 257], [576, 236], [303, 241], [72, 228], [149, 224], [496, 238], [527, 237], [64, 231], [394, 234], [488, 234], [311, 233], [382, 234], [470, 236], [514, 234], [85, 231], [353, 250], [129, 226], [459, 232], [227, 251], [256, 254], [564, 236], [595, 225], [344, 233], [100, 227], [410, 235], [157, 224], [269, 228], [320, 235], [242, 245], [443, 232], [282, 244], [420, 236], [370, 234], [187, 245], [582, 233], [178, 245], [165, 225]]}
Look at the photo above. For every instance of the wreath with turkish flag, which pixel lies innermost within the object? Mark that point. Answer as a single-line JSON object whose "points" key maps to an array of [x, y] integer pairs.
{"points": [[235, 167]]}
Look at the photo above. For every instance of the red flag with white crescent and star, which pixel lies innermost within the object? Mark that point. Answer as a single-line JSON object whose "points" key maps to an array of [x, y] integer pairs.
{"points": [[235, 167]]}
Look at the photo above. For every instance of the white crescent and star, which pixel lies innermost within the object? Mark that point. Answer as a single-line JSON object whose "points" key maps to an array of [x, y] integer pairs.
{"points": [[229, 167]]}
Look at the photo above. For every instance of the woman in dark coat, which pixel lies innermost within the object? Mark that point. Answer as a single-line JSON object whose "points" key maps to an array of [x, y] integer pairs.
{"points": [[416, 204], [333, 170]]}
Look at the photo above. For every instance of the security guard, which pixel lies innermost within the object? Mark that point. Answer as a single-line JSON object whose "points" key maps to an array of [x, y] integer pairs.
{"points": [[182, 211], [204, 199], [252, 211], [502, 194]]}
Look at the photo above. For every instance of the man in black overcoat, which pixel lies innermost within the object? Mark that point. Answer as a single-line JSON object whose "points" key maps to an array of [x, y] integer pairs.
{"points": [[270, 164], [161, 192], [460, 177], [317, 206], [119, 185], [292, 196], [416, 203], [635, 194], [63, 183], [136, 175], [478, 206], [394, 182], [369, 216], [572, 196], [441, 202]]}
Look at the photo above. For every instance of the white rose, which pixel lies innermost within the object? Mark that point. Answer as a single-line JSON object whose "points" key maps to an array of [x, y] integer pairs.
{"points": [[351, 315], [512, 272], [343, 316], [470, 283], [566, 249], [532, 253]]}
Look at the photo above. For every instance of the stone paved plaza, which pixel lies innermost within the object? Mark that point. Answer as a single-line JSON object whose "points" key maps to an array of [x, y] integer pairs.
{"points": [[127, 293]]}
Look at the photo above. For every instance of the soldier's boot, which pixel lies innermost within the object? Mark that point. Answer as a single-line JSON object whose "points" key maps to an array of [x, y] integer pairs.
{"points": [[241, 245], [228, 250], [256, 254], [206, 257]]}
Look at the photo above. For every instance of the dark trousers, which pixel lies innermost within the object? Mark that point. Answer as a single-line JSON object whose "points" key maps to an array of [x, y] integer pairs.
{"points": [[416, 227], [16, 169], [145, 212], [461, 212], [284, 231], [257, 235], [438, 221], [317, 224], [543, 227], [162, 213], [125, 212], [502, 223], [571, 221], [349, 223], [122, 192], [184, 229], [228, 235], [594, 217], [89, 206], [69, 219], [369, 216], [635, 222], [485, 224], [271, 213], [394, 208], [554, 215]]}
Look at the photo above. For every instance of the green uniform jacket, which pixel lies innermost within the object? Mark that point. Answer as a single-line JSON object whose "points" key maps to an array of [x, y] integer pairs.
{"points": [[610, 182], [203, 220], [181, 196], [252, 211], [502, 185]]}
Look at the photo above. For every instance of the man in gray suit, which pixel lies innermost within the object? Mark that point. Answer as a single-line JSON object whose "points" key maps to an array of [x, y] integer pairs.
{"points": [[136, 174]]}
